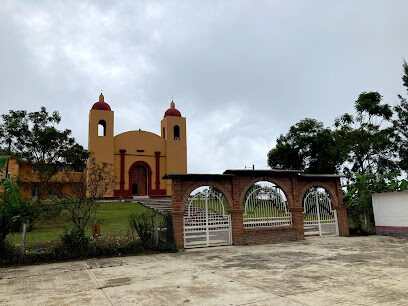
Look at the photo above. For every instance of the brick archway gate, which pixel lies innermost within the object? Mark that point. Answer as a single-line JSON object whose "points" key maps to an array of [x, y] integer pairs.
{"points": [[234, 185], [206, 221]]}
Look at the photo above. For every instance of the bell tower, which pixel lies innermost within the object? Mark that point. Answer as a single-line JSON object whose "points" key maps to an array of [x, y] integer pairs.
{"points": [[100, 135], [173, 130]]}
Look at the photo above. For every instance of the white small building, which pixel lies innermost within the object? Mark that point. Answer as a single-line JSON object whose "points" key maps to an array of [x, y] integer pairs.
{"points": [[391, 213]]}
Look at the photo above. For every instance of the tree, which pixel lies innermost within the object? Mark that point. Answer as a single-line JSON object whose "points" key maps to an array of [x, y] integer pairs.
{"points": [[370, 145], [307, 146], [358, 197], [14, 124], [401, 123], [84, 189], [12, 208], [34, 138], [358, 144]]}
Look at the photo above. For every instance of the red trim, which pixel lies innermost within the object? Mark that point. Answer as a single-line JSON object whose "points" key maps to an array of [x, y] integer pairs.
{"points": [[157, 155], [395, 228], [149, 175], [160, 192], [122, 171], [118, 197], [150, 191]]}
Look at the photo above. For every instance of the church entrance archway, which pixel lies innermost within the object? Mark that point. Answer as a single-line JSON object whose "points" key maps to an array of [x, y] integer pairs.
{"points": [[139, 183]]}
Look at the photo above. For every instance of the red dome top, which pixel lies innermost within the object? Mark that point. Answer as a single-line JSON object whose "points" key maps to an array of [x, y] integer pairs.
{"points": [[172, 111], [101, 104]]}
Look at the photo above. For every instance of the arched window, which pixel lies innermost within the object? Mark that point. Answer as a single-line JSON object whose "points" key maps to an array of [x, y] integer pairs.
{"points": [[176, 132], [164, 132], [102, 128]]}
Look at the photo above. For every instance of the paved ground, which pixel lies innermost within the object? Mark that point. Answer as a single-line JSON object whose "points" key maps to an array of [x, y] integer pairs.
{"points": [[317, 271]]}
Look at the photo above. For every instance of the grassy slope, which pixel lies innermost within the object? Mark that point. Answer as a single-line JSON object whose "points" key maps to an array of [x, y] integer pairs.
{"points": [[113, 218]]}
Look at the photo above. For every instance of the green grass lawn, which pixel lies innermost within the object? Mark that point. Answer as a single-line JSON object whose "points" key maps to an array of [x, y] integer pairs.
{"points": [[213, 205], [113, 218]]}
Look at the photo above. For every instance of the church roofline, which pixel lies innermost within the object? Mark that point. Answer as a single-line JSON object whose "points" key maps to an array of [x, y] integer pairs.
{"points": [[138, 131]]}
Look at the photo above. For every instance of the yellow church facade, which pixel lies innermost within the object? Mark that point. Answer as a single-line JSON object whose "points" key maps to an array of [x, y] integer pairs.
{"points": [[140, 159]]}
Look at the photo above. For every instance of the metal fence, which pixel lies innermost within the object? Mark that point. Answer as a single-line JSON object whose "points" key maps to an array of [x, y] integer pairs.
{"points": [[266, 206]]}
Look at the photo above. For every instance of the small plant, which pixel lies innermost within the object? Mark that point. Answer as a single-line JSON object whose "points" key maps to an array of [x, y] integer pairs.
{"points": [[143, 223], [155, 230], [75, 243], [12, 208], [8, 252], [167, 243], [112, 247]]}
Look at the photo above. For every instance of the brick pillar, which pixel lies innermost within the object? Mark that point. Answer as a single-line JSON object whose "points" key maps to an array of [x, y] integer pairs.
{"points": [[237, 224], [295, 194], [177, 213], [177, 218], [122, 171], [342, 218], [297, 221], [157, 155], [297, 211], [236, 211]]}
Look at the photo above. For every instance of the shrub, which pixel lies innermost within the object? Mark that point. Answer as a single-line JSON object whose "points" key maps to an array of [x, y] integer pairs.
{"points": [[8, 252], [167, 243], [74, 243], [167, 246], [113, 248], [143, 223], [12, 209]]}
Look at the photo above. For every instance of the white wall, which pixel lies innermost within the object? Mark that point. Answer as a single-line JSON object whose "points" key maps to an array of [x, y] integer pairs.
{"points": [[391, 208]]}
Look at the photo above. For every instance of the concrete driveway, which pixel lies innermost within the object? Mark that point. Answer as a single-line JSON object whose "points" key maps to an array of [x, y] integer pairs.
{"points": [[317, 271]]}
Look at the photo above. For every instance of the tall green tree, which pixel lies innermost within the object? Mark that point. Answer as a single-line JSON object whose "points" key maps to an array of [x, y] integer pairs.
{"points": [[361, 143], [35, 138], [368, 137], [14, 124], [401, 122], [12, 208], [307, 146]]}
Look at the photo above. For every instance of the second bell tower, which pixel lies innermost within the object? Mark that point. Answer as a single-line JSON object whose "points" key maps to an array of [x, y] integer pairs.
{"points": [[100, 135]]}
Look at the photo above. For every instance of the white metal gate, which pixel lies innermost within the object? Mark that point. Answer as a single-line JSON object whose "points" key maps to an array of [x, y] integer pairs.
{"points": [[266, 206], [318, 216], [205, 221]]}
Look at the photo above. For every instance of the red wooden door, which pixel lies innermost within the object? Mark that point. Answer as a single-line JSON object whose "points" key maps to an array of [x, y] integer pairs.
{"points": [[139, 181]]}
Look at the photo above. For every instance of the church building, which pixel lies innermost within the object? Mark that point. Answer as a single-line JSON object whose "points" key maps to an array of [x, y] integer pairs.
{"points": [[140, 158]]}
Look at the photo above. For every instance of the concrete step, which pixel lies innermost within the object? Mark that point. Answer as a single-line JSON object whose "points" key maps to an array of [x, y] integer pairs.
{"points": [[162, 205]]}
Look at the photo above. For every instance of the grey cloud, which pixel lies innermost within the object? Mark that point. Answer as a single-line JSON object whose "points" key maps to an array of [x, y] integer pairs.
{"points": [[241, 72]]}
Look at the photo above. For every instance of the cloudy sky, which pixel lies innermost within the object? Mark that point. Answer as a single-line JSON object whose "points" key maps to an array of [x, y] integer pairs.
{"points": [[241, 72]]}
